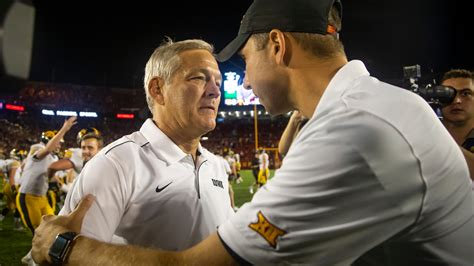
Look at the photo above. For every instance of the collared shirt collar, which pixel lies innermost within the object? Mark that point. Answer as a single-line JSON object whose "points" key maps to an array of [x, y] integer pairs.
{"points": [[345, 77], [163, 145]]}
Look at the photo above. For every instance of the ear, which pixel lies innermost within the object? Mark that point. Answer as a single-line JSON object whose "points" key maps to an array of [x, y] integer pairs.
{"points": [[155, 89], [280, 46]]}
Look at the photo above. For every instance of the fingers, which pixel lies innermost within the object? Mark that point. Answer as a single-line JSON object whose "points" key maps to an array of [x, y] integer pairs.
{"points": [[78, 214], [71, 121], [46, 218]]}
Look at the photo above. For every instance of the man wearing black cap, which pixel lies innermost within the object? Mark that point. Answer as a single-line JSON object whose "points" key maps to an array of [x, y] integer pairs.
{"points": [[360, 185]]}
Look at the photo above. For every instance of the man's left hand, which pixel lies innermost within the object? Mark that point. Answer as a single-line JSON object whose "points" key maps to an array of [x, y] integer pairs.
{"points": [[52, 225]]}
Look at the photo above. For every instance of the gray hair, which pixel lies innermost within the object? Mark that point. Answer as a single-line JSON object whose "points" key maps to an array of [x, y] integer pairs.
{"points": [[165, 61]]}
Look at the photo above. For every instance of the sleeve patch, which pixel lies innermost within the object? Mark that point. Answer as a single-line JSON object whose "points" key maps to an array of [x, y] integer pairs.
{"points": [[267, 230]]}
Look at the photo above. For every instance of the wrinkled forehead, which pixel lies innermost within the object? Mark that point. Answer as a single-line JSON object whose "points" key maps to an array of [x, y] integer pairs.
{"points": [[199, 61], [89, 142]]}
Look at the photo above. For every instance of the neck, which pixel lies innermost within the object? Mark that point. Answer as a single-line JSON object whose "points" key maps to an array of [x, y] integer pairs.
{"points": [[311, 81], [459, 130], [187, 142]]}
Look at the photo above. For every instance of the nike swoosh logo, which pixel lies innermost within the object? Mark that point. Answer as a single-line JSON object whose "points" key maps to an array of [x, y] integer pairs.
{"points": [[158, 189]]}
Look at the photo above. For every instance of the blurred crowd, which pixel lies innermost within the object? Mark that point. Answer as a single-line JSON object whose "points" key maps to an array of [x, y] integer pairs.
{"points": [[22, 129]]}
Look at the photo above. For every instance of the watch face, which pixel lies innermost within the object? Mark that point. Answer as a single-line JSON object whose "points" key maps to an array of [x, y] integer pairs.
{"points": [[58, 247]]}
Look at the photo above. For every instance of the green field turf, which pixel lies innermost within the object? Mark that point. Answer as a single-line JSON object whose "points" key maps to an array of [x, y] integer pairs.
{"points": [[15, 244]]}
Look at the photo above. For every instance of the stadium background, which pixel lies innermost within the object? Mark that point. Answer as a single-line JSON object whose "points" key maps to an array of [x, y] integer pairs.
{"points": [[23, 118], [91, 59]]}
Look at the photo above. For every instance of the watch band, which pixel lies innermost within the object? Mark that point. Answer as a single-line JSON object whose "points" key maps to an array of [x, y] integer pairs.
{"points": [[61, 246]]}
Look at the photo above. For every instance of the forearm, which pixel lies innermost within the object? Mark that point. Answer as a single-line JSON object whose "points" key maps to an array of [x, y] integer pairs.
{"points": [[54, 142], [11, 176], [87, 251], [51, 173], [287, 138], [91, 252], [62, 164]]}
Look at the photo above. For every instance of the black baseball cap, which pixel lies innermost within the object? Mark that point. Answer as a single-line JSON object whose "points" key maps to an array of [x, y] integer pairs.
{"points": [[286, 15]]}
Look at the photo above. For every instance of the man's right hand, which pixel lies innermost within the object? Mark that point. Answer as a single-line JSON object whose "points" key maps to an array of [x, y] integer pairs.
{"points": [[52, 225], [71, 121]]}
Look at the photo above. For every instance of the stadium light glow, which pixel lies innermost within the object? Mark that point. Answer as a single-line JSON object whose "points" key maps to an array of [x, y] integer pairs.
{"points": [[88, 114], [47, 112], [66, 113], [14, 107], [125, 116], [234, 92]]}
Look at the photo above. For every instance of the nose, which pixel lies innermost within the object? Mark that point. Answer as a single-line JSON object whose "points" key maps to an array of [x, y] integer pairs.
{"points": [[457, 98], [213, 90], [247, 83]]}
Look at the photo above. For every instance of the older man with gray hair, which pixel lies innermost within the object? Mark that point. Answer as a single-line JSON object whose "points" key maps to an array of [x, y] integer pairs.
{"points": [[158, 187]]}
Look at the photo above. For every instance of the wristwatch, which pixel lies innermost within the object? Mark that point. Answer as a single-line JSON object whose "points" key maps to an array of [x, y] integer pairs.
{"points": [[61, 246]]}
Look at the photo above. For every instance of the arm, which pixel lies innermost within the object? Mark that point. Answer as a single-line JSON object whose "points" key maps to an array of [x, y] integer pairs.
{"points": [[62, 164], [104, 180], [11, 177], [469, 156], [70, 176], [11, 173], [54, 143], [290, 132], [86, 251], [233, 169], [265, 161]]}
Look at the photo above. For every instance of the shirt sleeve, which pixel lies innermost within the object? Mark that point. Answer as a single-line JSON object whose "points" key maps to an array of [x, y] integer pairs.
{"points": [[333, 199], [103, 178], [76, 159]]}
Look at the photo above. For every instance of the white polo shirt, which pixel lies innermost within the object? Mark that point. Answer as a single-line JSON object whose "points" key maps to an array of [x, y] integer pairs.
{"points": [[76, 159], [225, 164], [7, 165], [263, 161], [373, 168], [18, 175], [150, 193], [34, 178]]}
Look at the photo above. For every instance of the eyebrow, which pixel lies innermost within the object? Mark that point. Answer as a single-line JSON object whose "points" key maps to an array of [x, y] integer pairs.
{"points": [[205, 71], [463, 89]]}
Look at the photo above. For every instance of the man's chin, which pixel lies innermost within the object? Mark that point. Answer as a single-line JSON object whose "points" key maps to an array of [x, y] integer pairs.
{"points": [[208, 127], [274, 111]]}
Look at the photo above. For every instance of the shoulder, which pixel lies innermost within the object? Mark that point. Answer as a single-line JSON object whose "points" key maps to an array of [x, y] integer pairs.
{"points": [[210, 156], [380, 98], [121, 153], [123, 146], [14, 164]]}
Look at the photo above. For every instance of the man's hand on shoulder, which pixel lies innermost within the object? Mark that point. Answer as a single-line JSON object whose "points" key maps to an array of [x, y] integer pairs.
{"points": [[52, 225]]}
